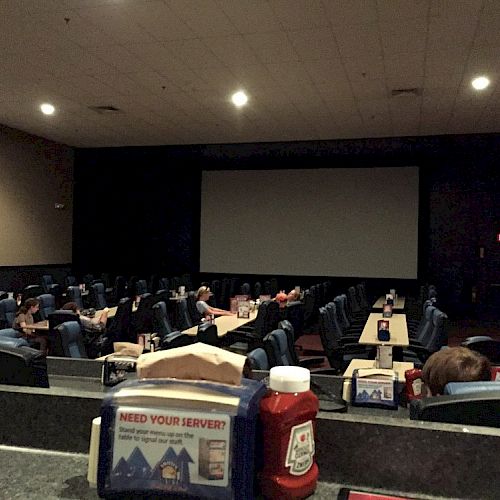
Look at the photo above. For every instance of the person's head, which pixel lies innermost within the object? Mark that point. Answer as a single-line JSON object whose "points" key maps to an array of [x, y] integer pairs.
{"points": [[293, 295], [71, 306], [31, 305], [203, 293], [456, 364]]}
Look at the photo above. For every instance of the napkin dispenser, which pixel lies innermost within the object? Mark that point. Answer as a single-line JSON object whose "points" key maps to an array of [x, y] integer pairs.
{"points": [[171, 437]]}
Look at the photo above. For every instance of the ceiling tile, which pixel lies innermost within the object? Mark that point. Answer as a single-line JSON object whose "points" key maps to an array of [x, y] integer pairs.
{"points": [[404, 70], [449, 32], [272, 47], [361, 42], [314, 45], [406, 37], [205, 18], [117, 23], [489, 21], [299, 14], [342, 13], [193, 52], [335, 89], [396, 11], [233, 51], [250, 17], [363, 67], [289, 71], [118, 57], [160, 21], [370, 89]]}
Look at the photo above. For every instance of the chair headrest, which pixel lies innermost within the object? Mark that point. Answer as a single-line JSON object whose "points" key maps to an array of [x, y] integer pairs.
{"points": [[281, 340], [472, 387], [258, 359]]}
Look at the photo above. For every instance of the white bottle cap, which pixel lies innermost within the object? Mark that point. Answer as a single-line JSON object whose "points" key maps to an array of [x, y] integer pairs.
{"points": [[289, 379]]}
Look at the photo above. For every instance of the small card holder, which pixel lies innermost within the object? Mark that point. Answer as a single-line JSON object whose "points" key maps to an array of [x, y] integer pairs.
{"points": [[387, 311], [375, 388], [243, 309], [383, 333]]}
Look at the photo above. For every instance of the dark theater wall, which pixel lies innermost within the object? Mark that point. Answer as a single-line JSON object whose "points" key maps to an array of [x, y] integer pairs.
{"points": [[137, 210]]}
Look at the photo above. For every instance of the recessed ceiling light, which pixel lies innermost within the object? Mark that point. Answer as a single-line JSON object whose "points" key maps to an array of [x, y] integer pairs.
{"points": [[47, 109], [480, 83], [239, 99]]}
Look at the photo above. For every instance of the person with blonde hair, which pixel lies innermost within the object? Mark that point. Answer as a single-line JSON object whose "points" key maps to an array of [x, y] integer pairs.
{"points": [[455, 364], [206, 310]]}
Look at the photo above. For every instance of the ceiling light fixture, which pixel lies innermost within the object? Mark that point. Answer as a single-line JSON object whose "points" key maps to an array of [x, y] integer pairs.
{"points": [[480, 83], [47, 109], [239, 99]]}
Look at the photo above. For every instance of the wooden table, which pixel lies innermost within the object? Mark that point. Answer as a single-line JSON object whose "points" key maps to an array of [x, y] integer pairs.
{"points": [[398, 304], [112, 311], [40, 326], [397, 329], [225, 324], [397, 367]]}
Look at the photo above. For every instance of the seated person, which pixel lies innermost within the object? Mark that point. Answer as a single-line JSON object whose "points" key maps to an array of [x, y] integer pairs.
{"points": [[293, 296], [24, 318], [456, 364], [204, 309], [95, 324], [284, 298], [93, 329]]}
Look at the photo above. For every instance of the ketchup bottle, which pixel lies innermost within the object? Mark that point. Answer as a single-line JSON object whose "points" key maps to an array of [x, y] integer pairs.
{"points": [[288, 415], [414, 384]]}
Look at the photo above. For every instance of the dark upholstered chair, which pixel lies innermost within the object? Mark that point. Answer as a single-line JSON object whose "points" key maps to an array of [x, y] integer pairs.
{"points": [[98, 295], [207, 333], [294, 312], [276, 346], [47, 305], [466, 403], [23, 366], [74, 294], [32, 291], [161, 324], [183, 315], [71, 339], [56, 318], [8, 308], [176, 339], [258, 359], [484, 345], [11, 337], [194, 314]]}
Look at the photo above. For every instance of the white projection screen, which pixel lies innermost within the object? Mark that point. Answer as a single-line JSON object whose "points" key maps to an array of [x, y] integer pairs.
{"points": [[352, 222]]}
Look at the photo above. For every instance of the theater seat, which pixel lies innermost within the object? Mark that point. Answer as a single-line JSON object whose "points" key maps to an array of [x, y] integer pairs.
{"points": [[23, 366], [258, 359], [466, 403], [207, 333], [13, 342], [71, 339]]}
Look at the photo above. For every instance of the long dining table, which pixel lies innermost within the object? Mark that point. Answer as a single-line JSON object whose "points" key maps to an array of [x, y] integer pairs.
{"points": [[397, 328], [225, 324]]}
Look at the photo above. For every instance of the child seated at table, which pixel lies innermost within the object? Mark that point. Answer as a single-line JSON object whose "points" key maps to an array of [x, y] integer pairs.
{"points": [[204, 309]]}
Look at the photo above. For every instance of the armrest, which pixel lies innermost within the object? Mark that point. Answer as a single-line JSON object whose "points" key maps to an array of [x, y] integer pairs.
{"points": [[311, 362], [349, 338], [419, 351]]}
